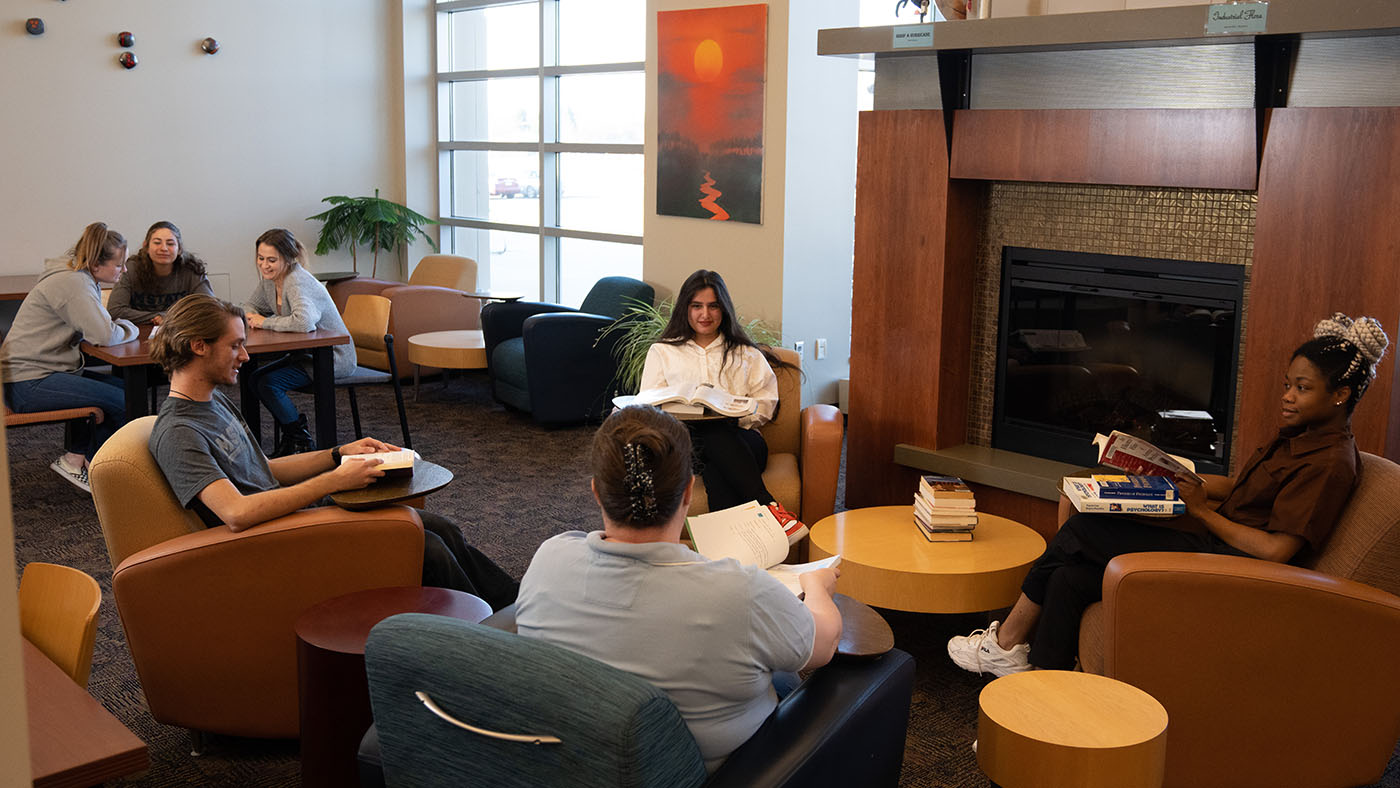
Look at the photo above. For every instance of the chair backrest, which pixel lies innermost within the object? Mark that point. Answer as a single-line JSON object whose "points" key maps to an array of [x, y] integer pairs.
{"points": [[135, 504], [612, 296], [784, 433], [367, 319], [445, 270], [58, 614], [616, 729], [1365, 545]]}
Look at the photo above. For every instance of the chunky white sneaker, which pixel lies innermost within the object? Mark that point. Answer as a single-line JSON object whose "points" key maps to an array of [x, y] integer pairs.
{"points": [[980, 653], [77, 476]]}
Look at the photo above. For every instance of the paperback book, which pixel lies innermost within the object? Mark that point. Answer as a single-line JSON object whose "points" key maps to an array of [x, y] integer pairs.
{"points": [[1152, 488], [1083, 494], [692, 399], [750, 534], [1136, 456]]}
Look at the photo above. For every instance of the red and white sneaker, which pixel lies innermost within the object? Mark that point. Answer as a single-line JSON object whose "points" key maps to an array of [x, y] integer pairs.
{"points": [[792, 526]]}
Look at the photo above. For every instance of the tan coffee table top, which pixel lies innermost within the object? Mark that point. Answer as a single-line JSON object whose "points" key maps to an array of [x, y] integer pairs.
{"points": [[463, 349], [1053, 728], [887, 563]]}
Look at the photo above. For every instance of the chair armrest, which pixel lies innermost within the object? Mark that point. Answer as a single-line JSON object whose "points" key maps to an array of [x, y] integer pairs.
{"points": [[845, 725], [569, 368], [341, 291], [820, 460], [219, 603], [502, 320], [1261, 666]]}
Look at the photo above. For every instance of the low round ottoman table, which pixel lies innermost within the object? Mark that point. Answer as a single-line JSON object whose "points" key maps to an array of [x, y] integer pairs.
{"points": [[886, 562], [462, 349], [331, 679], [1063, 729]]}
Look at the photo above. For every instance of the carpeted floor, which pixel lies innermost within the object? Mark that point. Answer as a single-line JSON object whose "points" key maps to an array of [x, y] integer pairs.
{"points": [[516, 485]]}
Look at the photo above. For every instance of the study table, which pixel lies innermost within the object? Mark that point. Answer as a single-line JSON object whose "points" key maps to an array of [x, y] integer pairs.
{"points": [[134, 360], [73, 740]]}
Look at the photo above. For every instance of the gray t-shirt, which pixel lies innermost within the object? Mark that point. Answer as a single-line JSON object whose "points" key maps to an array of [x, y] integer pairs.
{"points": [[197, 443], [710, 634]]}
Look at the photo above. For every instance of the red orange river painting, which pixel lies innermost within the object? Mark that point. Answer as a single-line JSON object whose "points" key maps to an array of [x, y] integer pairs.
{"points": [[710, 112]]}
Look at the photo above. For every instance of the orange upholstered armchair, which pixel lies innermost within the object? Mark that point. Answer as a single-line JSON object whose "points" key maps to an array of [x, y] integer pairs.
{"points": [[209, 613], [1272, 675], [804, 451]]}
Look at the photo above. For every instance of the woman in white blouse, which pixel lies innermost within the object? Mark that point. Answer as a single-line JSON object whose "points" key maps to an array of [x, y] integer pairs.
{"points": [[705, 343]]}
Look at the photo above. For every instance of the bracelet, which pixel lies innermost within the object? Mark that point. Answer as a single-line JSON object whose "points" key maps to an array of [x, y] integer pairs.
{"points": [[335, 457]]}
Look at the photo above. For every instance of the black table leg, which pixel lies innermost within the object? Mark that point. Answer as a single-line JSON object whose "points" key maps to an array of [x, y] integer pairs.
{"points": [[248, 398], [134, 379], [323, 375]]}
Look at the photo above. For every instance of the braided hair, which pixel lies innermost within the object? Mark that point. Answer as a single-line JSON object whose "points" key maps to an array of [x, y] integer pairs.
{"points": [[1346, 351], [641, 466]]}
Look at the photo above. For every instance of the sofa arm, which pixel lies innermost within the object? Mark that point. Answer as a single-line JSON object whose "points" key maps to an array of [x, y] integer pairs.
{"points": [[569, 368], [502, 320], [209, 616], [1265, 669], [820, 460], [362, 285], [845, 725]]}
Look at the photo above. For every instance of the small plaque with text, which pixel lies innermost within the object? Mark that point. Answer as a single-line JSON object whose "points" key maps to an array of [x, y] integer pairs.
{"points": [[1226, 19], [913, 37]]}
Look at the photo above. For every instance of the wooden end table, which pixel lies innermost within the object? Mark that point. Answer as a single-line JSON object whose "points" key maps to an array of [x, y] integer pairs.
{"points": [[886, 562], [461, 349], [1062, 729], [426, 479], [334, 693]]}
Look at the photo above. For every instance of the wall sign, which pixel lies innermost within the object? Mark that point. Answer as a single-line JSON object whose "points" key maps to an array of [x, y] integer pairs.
{"points": [[1237, 18]]}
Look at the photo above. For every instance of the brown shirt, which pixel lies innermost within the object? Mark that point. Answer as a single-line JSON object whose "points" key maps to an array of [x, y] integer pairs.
{"points": [[1297, 484]]}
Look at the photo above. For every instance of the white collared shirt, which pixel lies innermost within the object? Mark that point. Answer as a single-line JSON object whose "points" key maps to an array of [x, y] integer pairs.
{"points": [[746, 373]]}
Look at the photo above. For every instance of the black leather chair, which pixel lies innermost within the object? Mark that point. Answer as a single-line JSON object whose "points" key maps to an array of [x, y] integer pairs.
{"points": [[845, 725], [549, 360]]}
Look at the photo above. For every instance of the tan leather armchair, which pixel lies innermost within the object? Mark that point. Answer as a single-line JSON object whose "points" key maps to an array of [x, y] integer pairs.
{"points": [[804, 451], [1272, 675], [209, 613], [433, 300]]}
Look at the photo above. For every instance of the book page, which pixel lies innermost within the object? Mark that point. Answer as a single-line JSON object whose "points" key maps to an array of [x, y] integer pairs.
{"points": [[721, 401], [1136, 456], [747, 533], [680, 392], [787, 573], [403, 458]]}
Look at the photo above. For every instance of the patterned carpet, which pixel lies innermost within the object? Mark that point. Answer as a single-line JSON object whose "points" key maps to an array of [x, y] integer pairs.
{"points": [[516, 485]]}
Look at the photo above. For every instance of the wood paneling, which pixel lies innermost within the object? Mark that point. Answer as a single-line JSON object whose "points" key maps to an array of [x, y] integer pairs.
{"points": [[1200, 148], [1327, 239], [911, 301], [1037, 514]]}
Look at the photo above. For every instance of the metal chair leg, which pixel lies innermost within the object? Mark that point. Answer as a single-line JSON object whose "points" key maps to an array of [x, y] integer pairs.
{"points": [[355, 412], [398, 389]]}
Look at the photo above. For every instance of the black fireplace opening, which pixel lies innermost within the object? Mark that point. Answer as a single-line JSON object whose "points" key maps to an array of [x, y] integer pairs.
{"points": [[1091, 343]]}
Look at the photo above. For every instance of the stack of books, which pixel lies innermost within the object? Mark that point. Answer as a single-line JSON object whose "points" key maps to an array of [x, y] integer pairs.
{"points": [[1118, 494], [944, 509]]}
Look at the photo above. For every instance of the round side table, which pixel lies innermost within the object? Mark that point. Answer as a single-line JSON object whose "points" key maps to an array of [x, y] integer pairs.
{"points": [[334, 693], [462, 349], [1062, 729]]}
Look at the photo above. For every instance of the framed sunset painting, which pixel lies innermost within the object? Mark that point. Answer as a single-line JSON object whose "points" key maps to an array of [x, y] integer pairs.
{"points": [[711, 73]]}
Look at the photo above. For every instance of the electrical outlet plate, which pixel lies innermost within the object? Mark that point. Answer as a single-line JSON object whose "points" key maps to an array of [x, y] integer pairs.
{"points": [[821, 349], [798, 345]]}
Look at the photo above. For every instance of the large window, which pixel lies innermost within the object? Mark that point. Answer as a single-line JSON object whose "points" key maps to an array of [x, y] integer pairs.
{"points": [[540, 115]]}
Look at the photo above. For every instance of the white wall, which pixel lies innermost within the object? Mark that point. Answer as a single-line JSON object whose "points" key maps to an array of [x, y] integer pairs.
{"points": [[298, 104]]}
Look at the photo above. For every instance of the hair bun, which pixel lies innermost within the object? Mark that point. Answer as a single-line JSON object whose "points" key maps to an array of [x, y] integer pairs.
{"points": [[1363, 333]]}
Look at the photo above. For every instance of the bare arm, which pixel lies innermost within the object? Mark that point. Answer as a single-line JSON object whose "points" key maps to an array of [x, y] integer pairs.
{"points": [[817, 588], [1270, 546], [239, 511], [297, 468]]}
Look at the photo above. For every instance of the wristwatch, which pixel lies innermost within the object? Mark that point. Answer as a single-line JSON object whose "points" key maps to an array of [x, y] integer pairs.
{"points": [[335, 456]]}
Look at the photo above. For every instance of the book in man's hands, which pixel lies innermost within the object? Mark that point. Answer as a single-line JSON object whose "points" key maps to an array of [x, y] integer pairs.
{"points": [[1084, 495], [692, 399], [750, 534], [1136, 456], [393, 463]]}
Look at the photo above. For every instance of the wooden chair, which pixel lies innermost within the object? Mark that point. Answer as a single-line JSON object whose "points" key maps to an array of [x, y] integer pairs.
{"points": [[92, 415], [58, 614]]}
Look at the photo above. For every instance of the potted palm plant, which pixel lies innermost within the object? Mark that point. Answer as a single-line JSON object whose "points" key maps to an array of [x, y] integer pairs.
{"points": [[368, 221]]}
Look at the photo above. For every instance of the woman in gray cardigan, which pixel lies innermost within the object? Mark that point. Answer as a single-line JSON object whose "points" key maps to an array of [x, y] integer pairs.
{"points": [[290, 299], [40, 360]]}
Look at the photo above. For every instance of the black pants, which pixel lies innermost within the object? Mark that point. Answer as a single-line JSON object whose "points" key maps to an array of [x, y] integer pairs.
{"points": [[1069, 576], [449, 562], [731, 460]]}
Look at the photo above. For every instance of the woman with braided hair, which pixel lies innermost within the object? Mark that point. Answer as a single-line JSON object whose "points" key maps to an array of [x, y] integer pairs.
{"points": [[710, 634], [1281, 506]]}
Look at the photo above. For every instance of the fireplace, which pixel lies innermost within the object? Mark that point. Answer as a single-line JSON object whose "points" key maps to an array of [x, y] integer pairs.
{"points": [[1091, 343]]}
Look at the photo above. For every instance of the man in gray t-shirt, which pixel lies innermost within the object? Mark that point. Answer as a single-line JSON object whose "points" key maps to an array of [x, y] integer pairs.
{"points": [[216, 468]]}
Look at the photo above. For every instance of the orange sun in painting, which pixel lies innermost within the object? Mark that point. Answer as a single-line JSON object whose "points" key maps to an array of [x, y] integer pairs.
{"points": [[709, 60]]}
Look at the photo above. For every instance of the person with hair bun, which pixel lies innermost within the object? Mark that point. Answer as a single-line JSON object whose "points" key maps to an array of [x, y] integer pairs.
{"points": [[160, 273], [40, 360], [1281, 506], [290, 299], [710, 634]]}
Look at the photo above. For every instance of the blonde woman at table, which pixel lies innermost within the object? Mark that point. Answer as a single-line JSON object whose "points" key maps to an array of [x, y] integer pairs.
{"points": [[290, 299], [160, 273], [40, 361]]}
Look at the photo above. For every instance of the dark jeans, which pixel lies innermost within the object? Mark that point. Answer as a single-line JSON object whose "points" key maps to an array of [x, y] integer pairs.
{"points": [[1069, 576], [274, 384], [731, 461], [449, 562], [61, 390]]}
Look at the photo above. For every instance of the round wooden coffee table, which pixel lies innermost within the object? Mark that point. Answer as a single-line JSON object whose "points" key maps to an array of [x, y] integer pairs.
{"points": [[462, 349], [1062, 729], [886, 562]]}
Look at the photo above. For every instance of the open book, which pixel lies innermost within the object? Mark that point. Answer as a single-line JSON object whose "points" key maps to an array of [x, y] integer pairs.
{"points": [[394, 463], [692, 399], [750, 534], [1136, 456]]}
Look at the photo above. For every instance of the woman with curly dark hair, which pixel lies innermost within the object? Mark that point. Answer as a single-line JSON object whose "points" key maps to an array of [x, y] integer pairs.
{"points": [[160, 273]]}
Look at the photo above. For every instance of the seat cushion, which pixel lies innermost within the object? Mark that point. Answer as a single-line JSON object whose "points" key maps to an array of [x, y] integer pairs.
{"points": [[362, 376], [781, 477], [508, 374]]}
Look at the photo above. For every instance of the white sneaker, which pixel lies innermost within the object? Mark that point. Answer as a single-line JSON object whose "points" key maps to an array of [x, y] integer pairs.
{"points": [[980, 653], [78, 477]]}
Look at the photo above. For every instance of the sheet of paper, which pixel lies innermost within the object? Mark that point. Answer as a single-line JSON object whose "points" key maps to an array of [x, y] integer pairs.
{"points": [[787, 573]]}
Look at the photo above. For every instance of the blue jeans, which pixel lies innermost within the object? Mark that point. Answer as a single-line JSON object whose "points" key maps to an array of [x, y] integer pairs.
{"points": [[274, 384], [60, 390]]}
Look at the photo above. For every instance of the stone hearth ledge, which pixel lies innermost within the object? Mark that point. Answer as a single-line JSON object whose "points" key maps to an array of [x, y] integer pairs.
{"points": [[1005, 470]]}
